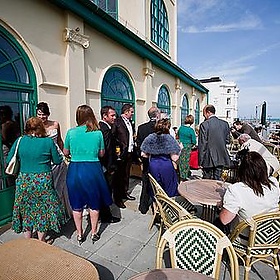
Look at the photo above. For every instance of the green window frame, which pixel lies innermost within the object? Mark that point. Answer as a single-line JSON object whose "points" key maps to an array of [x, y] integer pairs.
{"points": [[159, 25], [117, 89], [163, 102], [184, 108], [18, 92], [197, 113], [108, 6]]}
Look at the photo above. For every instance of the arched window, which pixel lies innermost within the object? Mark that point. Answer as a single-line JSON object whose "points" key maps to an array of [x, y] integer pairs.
{"points": [[18, 96], [109, 6], [197, 113], [159, 25], [184, 109], [164, 100], [116, 89]]}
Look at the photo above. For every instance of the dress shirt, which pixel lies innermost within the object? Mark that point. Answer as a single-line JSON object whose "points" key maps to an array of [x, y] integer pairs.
{"points": [[129, 127]]}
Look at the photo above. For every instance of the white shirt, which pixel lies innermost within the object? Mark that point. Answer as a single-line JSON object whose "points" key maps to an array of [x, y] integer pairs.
{"points": [[241, 200], [129, 127]]}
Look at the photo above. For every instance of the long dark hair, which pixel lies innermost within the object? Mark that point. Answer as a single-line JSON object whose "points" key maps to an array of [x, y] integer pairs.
{"points": [[85, 116], [252, 171]]}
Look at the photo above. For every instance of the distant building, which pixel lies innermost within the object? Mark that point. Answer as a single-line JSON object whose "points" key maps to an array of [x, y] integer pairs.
{"points": [[224, 96]]}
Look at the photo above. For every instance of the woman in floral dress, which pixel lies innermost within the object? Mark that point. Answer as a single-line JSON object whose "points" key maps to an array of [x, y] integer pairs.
{"points": [[36, 207]]}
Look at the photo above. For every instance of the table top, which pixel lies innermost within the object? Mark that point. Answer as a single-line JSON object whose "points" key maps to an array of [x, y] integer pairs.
{"points": [[170, 273], [203, 191]]}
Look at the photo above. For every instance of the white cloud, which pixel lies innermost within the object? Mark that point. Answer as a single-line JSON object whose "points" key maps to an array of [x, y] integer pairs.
{"points": [[195, 16]]}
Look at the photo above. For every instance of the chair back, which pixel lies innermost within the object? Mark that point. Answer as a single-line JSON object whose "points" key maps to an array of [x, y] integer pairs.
{"points": [[170, 211], [197, 245], [156, 187], [264, 234]]}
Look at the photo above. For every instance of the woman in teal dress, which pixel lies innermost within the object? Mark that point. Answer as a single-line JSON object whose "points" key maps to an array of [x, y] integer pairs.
{"points": [[187, 137], [85, 179], [36, 207]]}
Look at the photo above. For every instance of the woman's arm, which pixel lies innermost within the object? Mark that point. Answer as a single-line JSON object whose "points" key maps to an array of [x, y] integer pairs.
{"points": [[226, 216], [101, 153], [59, 138], [66, 152]]}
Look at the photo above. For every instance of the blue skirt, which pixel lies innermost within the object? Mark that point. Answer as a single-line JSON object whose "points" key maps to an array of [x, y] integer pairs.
{"points": [[162, 170], [87, 186]]}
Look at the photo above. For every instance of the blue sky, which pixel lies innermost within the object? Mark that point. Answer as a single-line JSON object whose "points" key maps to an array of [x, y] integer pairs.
{"points": [[238, 40]]}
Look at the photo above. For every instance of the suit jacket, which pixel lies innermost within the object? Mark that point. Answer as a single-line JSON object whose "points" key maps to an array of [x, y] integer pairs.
{"points": [[213, 136], [143, 131], [121, 134], [109, 159]]}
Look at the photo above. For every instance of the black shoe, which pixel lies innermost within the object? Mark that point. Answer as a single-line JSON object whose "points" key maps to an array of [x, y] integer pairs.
{"points": [[95, 237], [120, 204], [129, 197], [111, 220]]}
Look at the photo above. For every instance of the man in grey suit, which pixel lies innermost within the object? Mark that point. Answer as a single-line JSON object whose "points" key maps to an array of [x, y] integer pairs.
{"points": [[213, 136]]}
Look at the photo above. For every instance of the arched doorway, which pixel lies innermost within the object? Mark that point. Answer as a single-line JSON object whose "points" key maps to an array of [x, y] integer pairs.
{"points": [[18, 97]]}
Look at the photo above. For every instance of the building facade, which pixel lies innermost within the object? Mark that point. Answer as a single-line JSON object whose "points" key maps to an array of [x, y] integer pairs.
{"points": [[224, 96], [95, 52]]}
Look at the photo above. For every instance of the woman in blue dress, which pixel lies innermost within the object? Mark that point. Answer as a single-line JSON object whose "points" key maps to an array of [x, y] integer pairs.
{"points": [[163, 150], [85, 180]]}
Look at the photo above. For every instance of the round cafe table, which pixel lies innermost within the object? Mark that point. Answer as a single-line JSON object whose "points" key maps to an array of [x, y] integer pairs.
{"points": [[205, 192], [170, 273]]}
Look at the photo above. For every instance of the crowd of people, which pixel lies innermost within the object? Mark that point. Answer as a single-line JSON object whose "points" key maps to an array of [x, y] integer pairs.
{"points": [[91, 168]]}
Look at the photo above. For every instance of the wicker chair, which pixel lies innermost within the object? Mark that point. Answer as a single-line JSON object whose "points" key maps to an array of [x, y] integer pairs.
{"points": [[198, 246], [170, 213], [157, 189], [263, 244]]}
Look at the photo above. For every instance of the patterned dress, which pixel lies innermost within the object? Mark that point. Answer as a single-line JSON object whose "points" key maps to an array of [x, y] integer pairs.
{"points": [[36, 206], [187, 138]]}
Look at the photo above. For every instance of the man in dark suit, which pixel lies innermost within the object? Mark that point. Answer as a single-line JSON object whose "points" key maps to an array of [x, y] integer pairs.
{"points": [[213, 136], [241, 128], [143, 131], [124, 132], [108, 161]]}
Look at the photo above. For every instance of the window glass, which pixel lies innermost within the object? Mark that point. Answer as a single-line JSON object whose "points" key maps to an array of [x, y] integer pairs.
{"points": [[184, 109], [159, 25], [197, 113], [109, 6], [116, 89], [17, 93], [164, 100]]}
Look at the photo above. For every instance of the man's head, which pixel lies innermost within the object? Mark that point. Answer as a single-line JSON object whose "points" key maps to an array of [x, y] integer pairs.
{"points": [[154, 113], [243, 138], [208, 111], [127, 111], [108, 114], [237, 125]]}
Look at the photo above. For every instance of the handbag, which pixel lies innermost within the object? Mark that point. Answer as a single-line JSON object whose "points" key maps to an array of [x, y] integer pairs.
{"points": [[13, 166]]}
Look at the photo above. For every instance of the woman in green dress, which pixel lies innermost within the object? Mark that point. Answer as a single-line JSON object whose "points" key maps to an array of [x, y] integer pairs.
{"points": [[36, 207], [187, 137]]}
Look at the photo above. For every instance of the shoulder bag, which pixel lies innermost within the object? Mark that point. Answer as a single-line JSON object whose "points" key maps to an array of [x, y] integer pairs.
{"points": [[13, 166]]}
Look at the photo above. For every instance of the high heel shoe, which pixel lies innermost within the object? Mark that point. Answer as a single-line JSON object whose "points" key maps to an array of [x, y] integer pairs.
{"points": [[95, 237], [80, 239]]}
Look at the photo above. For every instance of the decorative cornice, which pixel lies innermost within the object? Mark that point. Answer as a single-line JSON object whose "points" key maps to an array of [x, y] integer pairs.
{"points": [[71, 35]]}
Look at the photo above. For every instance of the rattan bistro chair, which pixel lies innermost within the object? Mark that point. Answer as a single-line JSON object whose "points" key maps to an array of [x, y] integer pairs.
{"points": [[157, 189], [263, 244], [196, 245]]}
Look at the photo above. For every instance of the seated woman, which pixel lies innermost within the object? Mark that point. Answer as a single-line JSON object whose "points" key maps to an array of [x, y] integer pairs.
{"points": [[163, 150], [255, 193]]}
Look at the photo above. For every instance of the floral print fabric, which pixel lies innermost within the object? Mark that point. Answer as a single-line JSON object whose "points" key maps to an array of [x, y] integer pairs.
{"points": [[36, 205]]}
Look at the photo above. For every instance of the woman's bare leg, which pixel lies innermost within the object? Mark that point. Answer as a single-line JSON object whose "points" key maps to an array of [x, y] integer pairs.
{"points": [[27, 234], [41, 236], [77, 215], [94, 215]]}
